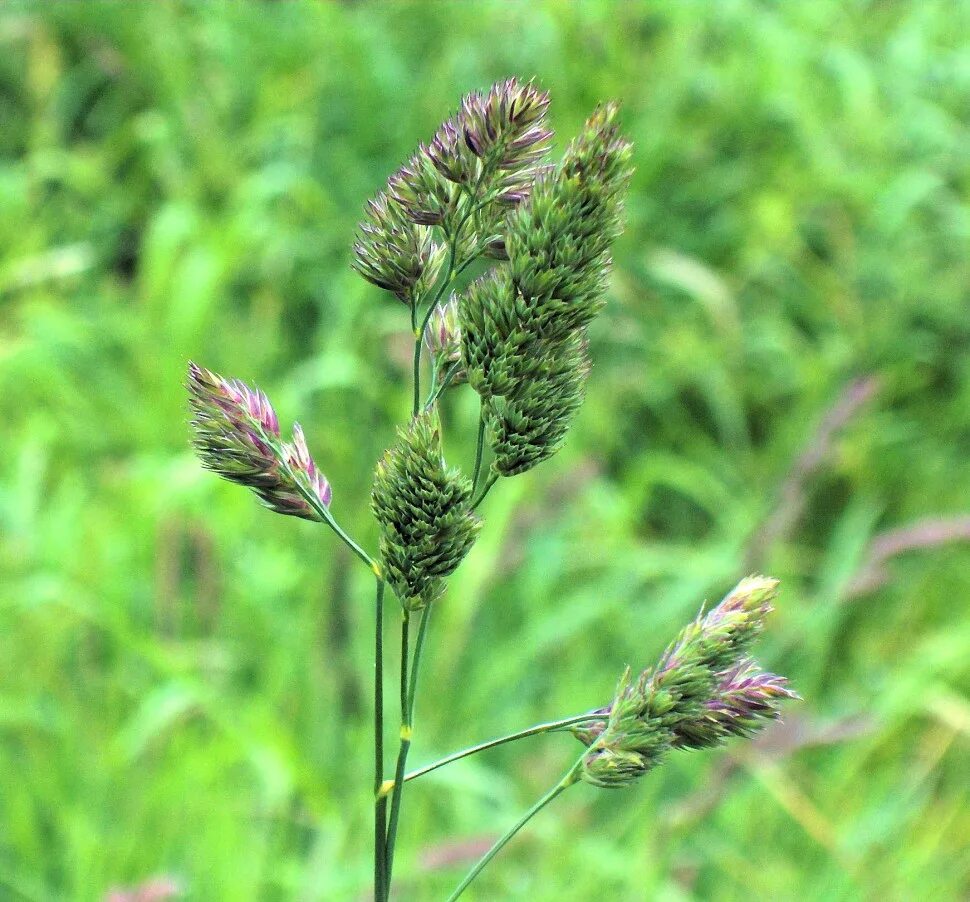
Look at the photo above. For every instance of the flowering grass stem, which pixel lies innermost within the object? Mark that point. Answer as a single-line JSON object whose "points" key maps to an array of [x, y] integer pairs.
{"points": [[518, 335], [409, 681], [571, 776], [380, 805]]}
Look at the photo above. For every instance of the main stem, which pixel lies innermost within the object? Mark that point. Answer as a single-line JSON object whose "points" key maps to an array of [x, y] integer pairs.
{"points": [[409, 683], [570, 777], [380, 805]]}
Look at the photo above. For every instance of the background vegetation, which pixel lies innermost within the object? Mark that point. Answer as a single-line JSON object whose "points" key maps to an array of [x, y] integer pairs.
{"points": [[782, 382]]}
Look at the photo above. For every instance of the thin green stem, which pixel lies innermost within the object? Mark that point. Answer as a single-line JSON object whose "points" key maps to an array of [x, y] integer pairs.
{"points": [[402, 754], [445, 382], [328, 518], [353, 546], [570, 777], [416, 375], [416, 661], [380, 805], [486, 488], [453, 269], [550, 727], [479, 449]]}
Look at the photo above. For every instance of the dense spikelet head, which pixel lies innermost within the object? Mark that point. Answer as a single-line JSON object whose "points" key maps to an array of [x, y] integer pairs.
{"points": [[393, 252], [531, 424], [629, 744], [493, 147], [496, 140], [236, 434], [507, 121], [558, 243], [687, 674], [524, 324], [425, 196], [422, 508], [717, 639], [506, 130], [745, 700], [702, 691]]}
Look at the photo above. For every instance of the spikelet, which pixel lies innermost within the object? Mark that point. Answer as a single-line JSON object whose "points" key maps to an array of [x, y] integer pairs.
{"points": [[422, 508], [703, 691], [236, 434]]}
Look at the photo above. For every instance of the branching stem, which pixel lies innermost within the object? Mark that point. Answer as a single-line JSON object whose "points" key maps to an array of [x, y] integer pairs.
{"points": [[550, 727], [445, 382], [486, 488]]}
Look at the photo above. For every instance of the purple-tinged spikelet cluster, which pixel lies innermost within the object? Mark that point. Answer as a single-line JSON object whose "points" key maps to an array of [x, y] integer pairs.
{"points": [[703, 691], [745, 698], [394, 253], [498, 137], [493, 148], [236, 434], [442, 337], [505, 129]]}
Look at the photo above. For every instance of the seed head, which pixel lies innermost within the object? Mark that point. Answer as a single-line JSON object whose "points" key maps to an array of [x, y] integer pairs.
{"points": [[422, 508], [745, 700], [629, 744], [425, 195], [236, 434], [524, 324], [392, 252], [702, 691]]}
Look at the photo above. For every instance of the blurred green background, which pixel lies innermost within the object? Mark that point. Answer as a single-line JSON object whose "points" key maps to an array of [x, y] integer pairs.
{"points": [[782, 382]]}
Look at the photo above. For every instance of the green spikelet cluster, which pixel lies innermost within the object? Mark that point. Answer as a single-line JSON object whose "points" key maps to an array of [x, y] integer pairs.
{"points": [[524, 324], [422, 508], [531, 424], [702, 691]]}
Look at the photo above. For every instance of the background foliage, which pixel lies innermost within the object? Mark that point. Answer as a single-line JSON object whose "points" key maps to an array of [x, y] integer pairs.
{"points": [[782, 382]]}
